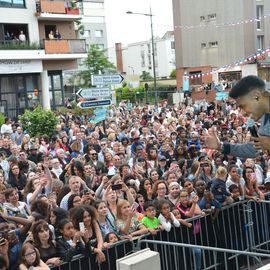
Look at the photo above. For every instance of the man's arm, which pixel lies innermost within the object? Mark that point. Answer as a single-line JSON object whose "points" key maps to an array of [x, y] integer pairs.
{"points": [[246, 150]]}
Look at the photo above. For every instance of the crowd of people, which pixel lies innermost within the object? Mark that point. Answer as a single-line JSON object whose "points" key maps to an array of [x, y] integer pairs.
{"points": [[87, 187]]}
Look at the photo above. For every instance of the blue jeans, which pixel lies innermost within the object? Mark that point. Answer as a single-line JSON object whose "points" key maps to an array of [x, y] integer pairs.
{"points": [[197, 255]]}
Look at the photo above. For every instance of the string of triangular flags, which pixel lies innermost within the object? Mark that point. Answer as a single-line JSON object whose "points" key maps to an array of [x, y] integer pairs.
{"points": [[259, 55], [224, 24]]}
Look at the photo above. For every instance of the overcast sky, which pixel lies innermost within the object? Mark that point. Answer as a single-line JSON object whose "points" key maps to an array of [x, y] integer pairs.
{"points": [[126, 29]]}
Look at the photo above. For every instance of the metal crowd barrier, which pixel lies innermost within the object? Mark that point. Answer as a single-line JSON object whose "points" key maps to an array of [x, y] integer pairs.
{"points": [[239, 236], [173, 256], [114, 252]]}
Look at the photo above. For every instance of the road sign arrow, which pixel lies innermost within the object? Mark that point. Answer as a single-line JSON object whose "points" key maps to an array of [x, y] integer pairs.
{"points": [[88, 93], [107, 79], [94, 103]]}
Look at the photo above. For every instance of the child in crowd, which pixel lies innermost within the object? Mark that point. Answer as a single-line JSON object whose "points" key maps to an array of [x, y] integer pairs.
{"points": [[177, 215], [218, 187], [209, 205], [127, 222], [110, 239], [30, 258], [166, 217], [70, 242], [235, 191], [150, 221]]}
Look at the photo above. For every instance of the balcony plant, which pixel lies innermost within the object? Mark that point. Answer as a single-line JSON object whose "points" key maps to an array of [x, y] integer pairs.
{"points": [[19, 46], [72, 9]]}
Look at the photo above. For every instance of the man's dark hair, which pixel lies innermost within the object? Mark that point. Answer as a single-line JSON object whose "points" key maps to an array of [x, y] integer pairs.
{"points": [[246, 85]]}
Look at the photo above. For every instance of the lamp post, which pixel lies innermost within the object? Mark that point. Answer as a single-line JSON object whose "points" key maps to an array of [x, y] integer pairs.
{"points": [[153, 49]]}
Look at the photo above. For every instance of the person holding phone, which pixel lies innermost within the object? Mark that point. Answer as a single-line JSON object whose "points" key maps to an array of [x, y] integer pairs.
{"points": [[251, 186], [252, 95]]}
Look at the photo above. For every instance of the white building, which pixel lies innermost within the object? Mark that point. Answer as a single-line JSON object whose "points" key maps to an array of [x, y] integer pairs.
{"points": [[135, 58], [94, 23], [31, 70]]}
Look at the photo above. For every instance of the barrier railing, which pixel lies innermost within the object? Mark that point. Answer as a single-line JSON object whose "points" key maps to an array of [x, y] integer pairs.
{"points": [[174, 256], [239, 236], [114, 252]]}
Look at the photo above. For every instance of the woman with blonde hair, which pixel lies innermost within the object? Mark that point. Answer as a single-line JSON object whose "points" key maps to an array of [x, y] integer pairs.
{"points": [[218, 187], [127, 222]]}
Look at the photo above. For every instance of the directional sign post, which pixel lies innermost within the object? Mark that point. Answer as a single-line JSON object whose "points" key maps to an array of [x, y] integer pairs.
{"points": [[107, 79], [94, 103], [88, 93]]}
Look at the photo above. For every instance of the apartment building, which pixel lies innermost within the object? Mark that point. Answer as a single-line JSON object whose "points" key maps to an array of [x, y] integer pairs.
{"points": [[94, 23], [135, 58], [33, 56], [212, 34]]}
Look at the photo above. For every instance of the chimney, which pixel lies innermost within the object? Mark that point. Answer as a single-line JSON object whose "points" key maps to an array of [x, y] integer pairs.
{"points": [[119, 57]]}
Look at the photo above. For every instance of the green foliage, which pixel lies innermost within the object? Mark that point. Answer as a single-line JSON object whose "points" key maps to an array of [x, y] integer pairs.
{"points": [[2, 119], [145, 76], [76, 110], [19, 46], [79, 24], [95, 63], [39, 122], [173, 74]]}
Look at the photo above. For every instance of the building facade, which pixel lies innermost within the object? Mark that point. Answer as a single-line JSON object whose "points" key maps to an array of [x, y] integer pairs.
{"points": [[135, 58], [38, 42], [94, 23], [211, 34]]}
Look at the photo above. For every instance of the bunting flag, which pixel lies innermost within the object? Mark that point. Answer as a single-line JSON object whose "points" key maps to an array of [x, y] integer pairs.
{"points": [[259, 55], [205, 24]]}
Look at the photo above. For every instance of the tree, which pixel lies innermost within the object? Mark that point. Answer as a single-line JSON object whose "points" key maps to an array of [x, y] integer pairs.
{"points": [[173, 74], [95, 63], [39, 122], [145, 76]]}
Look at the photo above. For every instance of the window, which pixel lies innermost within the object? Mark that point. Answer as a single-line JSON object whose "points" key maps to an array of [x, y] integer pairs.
{"points": [[99, 33], [142, 62], [212, 16], [149, 48], [259, 15], [202, 18], [87, 33], [100, 46], [260, 42], [93, 5], [172, 45], [94, 19], [213, 44], [12, 3], [203, 45]]}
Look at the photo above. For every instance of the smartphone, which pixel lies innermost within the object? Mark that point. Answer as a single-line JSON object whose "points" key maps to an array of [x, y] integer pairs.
{"points": [[81, 226], [12, 235], [86, 192], [116, 186]]}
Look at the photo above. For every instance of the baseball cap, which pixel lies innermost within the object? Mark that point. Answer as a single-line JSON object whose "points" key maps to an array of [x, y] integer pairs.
{"points": [[162, 158]]}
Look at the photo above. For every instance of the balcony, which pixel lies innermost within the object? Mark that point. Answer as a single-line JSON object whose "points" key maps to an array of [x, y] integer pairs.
{"points": [[56, 10], [64, 48]]}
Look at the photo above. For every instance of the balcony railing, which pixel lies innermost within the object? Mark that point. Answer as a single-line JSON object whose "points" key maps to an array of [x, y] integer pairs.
{"points": [[18, 45], [63, 46], [55, 7]]}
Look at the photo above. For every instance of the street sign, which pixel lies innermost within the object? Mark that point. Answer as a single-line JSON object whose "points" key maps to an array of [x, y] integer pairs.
{"points": [[107, 79], [222, 95], [88, 93], [94, 103], [100, 115]]}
